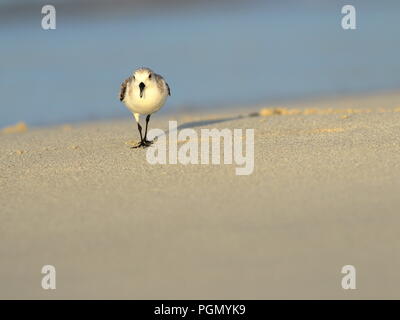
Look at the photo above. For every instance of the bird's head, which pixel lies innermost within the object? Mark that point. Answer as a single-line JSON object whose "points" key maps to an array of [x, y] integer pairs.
{"points": [[143, 77]]}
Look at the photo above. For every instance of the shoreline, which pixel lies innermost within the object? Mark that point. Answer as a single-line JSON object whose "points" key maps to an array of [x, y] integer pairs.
{"points": [[367, 99]]}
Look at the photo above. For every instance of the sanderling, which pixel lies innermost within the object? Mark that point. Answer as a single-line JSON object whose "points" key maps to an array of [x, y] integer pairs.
{"points": [[144, 93]]}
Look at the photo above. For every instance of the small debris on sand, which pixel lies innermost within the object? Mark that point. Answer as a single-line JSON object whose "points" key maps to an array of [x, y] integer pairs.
{"points": [[272, 111], [266, 112], [66, 127], [327, 130], [19, 127]]}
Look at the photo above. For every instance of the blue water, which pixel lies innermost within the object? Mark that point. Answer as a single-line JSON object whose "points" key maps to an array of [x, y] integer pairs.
{"points": [[261, 52]]}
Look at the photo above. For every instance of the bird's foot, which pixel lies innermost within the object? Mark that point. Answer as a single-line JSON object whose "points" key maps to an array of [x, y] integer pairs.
{"points": [[143, 144]]}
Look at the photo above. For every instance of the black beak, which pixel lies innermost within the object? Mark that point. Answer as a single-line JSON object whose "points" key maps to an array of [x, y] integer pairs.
{"points": [[141, 87]]}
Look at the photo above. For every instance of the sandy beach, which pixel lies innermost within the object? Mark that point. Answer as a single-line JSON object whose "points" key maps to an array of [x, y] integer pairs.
{"points": [[324, 193]]}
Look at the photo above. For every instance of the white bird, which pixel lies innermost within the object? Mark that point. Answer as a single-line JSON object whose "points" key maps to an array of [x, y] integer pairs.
{"points": [[144, 93]]}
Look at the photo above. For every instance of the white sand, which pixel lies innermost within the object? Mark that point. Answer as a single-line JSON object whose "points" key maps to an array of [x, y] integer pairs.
{"points": [[324, 193]]}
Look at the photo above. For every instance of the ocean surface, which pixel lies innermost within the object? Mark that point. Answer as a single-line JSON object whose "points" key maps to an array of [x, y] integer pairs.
{"points": [[212, 56]]}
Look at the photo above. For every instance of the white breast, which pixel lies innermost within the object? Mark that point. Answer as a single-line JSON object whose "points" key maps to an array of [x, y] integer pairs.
{"points": [[153, 99]]}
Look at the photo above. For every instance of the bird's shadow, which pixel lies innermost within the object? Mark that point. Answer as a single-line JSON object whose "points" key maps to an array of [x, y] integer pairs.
{"points": [[202, 123]]}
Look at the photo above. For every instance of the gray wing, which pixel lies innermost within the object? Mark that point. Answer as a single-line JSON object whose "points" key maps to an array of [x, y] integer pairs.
{"points": [[160, 82], [122, 91]]}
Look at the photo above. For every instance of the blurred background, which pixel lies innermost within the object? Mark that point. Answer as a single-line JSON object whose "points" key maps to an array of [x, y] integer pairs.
{"points": [[214, 54]]}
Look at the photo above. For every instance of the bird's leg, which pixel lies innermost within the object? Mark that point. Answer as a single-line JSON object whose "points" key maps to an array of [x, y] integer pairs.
{"points": [[141, 143], [140, 131], [147, 142]]}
